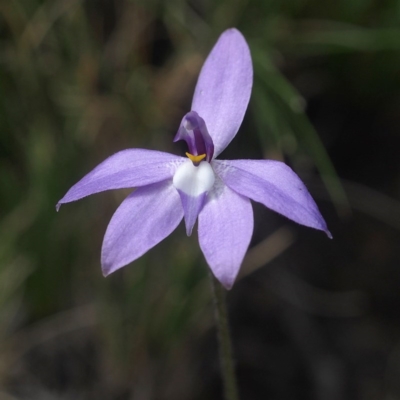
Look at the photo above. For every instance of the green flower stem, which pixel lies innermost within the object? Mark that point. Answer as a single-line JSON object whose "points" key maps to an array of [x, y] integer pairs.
{"points": [[224, 340]]}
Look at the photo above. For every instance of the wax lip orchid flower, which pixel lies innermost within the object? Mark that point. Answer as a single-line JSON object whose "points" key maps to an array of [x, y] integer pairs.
{"points": [[215, 192]]}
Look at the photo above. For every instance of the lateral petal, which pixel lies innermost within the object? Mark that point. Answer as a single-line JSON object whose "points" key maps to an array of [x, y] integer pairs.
{"points": [[275, 185], [143, 219], [126, 169], [225, 230], [223, 89]]}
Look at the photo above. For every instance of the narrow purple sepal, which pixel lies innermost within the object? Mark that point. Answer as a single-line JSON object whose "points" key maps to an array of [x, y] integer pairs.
{"points": [[126, 169], [223, 89], [275, 185], [225, 230], [194, 132], [191, 208], [144, 219]]}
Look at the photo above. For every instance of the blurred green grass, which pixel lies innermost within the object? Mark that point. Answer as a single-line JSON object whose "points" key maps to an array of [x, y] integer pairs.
{"points": [[81, 80]]}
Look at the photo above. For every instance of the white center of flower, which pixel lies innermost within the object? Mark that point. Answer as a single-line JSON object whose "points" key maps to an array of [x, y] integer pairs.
{"points": [[193, 180]]}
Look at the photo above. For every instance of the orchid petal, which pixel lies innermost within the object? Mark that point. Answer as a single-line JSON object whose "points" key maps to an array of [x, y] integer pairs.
{"points": [[225, 230], [275, 185], [223, 90], [191, 208], [126, 169], [193, 183], [194, 180], [144, 219]]}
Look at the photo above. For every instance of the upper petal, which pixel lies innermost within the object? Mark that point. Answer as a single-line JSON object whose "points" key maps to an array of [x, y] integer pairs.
{"points": [[275, 185], [144, 218], [125, 169], [223, 90], [225, 230]]}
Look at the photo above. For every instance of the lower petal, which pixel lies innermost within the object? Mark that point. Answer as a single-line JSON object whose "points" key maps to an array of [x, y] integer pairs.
{"points": [[193, 183], [144, 219], [191, 207], [225, 230]]}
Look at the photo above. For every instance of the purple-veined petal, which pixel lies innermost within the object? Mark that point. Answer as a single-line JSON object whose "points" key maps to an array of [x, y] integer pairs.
{"points": [[193, 183], [126, 169], [225, 230], [223, 90], [143, 219], [275, 185]]}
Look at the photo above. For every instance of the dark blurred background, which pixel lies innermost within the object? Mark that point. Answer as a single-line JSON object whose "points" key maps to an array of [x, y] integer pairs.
{"points": [[312, 318]]}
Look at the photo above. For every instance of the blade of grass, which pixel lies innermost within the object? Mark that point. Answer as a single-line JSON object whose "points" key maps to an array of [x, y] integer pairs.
{"points": [[291, 109]]}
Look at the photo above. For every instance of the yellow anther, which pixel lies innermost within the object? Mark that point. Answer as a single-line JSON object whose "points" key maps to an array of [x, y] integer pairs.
{"points": [[196, 159]]}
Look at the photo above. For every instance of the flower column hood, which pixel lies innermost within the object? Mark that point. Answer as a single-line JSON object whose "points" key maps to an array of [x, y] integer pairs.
{"points": [[216, 192]]}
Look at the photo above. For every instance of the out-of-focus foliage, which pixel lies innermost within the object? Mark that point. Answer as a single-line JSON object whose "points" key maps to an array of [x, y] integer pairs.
{"points": [[80, 80]]}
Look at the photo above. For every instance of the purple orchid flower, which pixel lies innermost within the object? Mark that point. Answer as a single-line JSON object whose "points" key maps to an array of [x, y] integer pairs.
{"points": [[216, 192]]}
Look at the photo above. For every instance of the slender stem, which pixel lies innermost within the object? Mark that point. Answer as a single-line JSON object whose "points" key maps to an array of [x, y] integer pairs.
{"points": [[224, 340]]}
